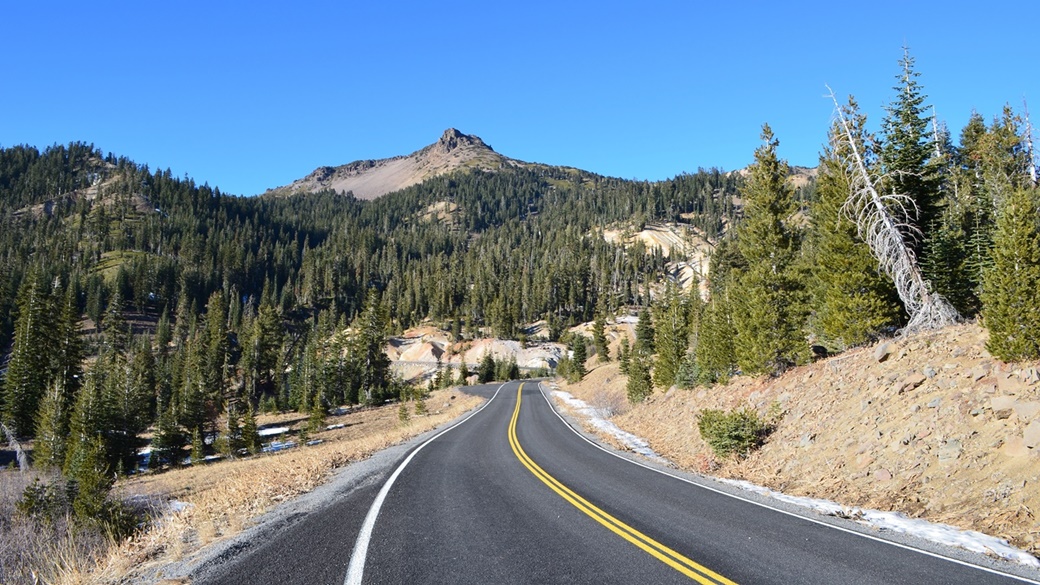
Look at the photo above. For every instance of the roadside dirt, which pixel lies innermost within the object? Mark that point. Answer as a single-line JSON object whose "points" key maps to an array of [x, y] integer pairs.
{"points": [[931, 426]]}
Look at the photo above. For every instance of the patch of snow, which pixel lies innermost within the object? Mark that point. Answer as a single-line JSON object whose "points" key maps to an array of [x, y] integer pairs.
{"points": [[894, 521], [627, 319], [597, 418], [313, 442], [335, 426], [179, 506], [898, 522], [273, 431], [275, 446]]}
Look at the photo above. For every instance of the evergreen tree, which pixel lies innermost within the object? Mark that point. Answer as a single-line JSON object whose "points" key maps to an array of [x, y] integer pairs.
{"points": [[91, 420], [853, 301], [906, 152], [579, 354], [769, 312], [250, 432], [624, 356], [1011, 291], [464, 373], [486, 369], [52, 427], [639, 384], [29, 370], [89, 474], [168, 442], [599, 336], [645, 333], [672, 334], [367, 349], [198, 448]]}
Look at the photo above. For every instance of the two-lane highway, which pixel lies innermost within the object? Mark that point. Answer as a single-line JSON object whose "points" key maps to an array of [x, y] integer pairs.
{"points": [[513, 495]]}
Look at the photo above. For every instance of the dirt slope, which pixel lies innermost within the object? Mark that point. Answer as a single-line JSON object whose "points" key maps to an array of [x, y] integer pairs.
{"points": [[369, 179], [932, 426]]}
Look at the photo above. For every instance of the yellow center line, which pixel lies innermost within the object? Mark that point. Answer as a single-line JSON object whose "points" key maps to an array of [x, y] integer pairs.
{"points": [[673, 559]]}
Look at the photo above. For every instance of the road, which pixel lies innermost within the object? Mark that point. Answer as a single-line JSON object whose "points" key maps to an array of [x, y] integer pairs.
{"points": [[514, 495]]}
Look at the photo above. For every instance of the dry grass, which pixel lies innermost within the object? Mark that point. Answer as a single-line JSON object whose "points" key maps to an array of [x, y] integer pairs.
{"points": [[853, 433], [223, 498]]}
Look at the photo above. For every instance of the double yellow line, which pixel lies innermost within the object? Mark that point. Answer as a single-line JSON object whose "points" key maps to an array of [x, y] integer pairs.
{"points": [[673, 559]]}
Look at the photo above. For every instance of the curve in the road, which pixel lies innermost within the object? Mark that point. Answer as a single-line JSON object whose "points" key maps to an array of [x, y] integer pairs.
{"points": [[666, 555], [789, 513]]}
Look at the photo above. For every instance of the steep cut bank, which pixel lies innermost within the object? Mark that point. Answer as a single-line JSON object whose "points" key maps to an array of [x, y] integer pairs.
{"points": [[931, 426]]}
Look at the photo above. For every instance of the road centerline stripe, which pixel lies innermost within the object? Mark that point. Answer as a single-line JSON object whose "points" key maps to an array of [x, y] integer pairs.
{"points": [[670, 557]]}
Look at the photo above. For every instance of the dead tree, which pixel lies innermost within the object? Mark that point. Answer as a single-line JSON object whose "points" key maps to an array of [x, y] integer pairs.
{"points": [[883, 223]]}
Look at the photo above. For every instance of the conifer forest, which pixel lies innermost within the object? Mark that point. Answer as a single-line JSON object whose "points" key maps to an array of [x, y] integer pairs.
{"points": [[134, 301]]}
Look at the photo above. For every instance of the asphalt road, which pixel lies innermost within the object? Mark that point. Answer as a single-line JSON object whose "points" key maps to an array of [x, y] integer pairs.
{"points": [[514, 495]]}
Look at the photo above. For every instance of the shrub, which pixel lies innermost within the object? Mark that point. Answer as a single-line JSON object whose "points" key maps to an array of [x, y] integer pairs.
{"points": [[734, 432]]}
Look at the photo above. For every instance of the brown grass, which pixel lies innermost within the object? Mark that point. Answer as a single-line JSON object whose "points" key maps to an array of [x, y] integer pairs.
{"points": [[851, 435], [223, 498]]}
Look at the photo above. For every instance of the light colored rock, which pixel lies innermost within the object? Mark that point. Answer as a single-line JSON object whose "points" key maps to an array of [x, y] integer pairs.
{"points": [[929, 372], [1031, 436], [911, 382], [883, 475], [1027, 409], [1015, 447], [950, 450], [1002, 403], [934, 403], [882, 351]]}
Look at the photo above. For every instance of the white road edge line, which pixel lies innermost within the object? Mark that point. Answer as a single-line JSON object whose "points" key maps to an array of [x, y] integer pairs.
{"points": [[356, 569], [785, 512]]}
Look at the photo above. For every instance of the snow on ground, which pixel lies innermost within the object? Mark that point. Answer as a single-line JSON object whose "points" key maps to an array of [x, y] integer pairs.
{"points": [[898, 522], [893, 521], [272, 431], [596, 417]]}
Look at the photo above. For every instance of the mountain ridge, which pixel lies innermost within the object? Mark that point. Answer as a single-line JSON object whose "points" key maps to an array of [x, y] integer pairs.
{"points": [[372, 178]]}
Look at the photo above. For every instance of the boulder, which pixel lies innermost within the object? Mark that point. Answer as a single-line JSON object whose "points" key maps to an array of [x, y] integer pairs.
{"points": [[882, 351]]}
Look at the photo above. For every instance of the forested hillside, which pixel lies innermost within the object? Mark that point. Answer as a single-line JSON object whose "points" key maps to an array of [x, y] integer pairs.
{"points": [[179, 306]]}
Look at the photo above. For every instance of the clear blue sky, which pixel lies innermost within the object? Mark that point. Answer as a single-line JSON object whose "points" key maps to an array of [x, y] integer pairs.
{"points": [[251, 95]]}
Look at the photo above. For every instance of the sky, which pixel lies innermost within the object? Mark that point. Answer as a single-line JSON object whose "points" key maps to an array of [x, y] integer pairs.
{"points": [[247, 96]]}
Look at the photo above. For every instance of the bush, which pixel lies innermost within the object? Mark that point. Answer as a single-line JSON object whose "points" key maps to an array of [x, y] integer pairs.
{"points": [[734, 432]]}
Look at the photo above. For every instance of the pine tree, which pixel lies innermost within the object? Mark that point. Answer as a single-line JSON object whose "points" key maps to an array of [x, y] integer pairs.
{"points": [[486, 369], [769, 311], [250, 433], [645, 333], [168, 442], [198, 448], [1011, 290], [90, 475], [599, 336], [853, 302], [579, 354], [52, 427], [464, 373], [28, 372], [672, 334], [639, 384], [624, 356], [906, 152]]}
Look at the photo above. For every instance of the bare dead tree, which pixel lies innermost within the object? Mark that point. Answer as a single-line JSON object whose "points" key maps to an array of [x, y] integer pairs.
{"points": [[1029, 145], [14, 445], [882, 220]]}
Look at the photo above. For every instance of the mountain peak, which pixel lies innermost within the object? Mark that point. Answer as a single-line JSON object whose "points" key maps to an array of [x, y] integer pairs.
{"points": [[452, 139], [369, 179]]}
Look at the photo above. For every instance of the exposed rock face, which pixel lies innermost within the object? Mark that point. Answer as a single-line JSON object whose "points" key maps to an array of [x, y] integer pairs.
{"points": [[369, 179]]}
